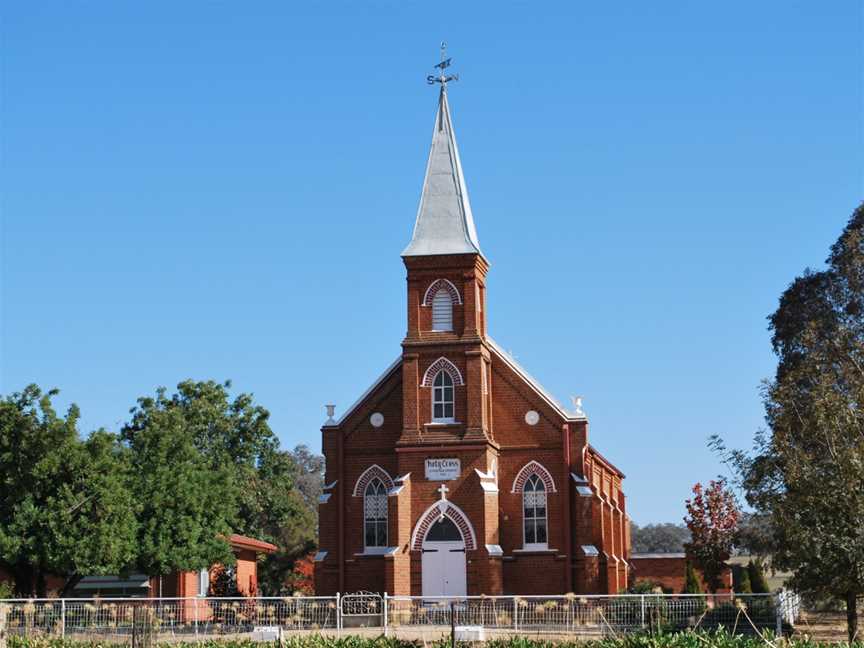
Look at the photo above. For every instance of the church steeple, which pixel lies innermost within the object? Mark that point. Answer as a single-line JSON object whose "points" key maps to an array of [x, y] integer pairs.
{"points": [[444, 222]]}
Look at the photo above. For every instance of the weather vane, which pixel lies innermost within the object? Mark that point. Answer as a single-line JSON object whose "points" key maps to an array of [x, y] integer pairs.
{"points": [[442, 78]]}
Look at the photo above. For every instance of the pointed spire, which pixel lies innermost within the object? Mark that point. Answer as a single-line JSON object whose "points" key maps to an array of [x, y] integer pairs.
{"points": [[444, 222]]}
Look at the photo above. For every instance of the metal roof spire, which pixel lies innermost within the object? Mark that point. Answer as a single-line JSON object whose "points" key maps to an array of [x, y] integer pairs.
{"points": [[444, 222]]}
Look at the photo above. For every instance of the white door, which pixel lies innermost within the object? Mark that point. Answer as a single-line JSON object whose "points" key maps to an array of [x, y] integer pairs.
{"points": [[444, 572]]}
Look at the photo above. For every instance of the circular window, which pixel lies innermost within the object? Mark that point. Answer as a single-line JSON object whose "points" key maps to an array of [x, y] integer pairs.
{"points": [[532, 417], [377, 419]]}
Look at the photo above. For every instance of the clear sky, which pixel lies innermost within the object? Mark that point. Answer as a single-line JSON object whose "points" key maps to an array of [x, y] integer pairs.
{"points": [[222, 190]]}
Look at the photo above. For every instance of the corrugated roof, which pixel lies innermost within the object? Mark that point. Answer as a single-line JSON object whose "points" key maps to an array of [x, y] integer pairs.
{"points": [[444, 222]]}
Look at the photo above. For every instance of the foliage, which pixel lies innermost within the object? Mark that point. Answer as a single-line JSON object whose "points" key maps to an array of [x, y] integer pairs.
{"points": [[805, 471], [756, 574], [712, 517], [65, 503], [690, 639], [302, 576], [646, 587], [691, 580], [754, 535], [188, 492], [741, 579], [665, 537], [218, 462]]}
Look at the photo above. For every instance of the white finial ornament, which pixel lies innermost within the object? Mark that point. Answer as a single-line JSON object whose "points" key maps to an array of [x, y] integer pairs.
{"points": [[331, 410], [577, 405]]}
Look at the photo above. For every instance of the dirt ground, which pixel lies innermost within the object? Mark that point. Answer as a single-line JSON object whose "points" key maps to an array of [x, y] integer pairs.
{"points": [[822, 626]]}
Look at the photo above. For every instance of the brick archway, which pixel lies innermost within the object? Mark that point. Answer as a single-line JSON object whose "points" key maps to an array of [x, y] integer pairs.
{"points": [[435, 286], [533, 468], [433, 514], [368, 475], [440, 364]]}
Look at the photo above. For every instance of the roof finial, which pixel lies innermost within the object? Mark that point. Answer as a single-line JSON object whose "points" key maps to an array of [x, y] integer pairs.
{"points": [[442, 78]]}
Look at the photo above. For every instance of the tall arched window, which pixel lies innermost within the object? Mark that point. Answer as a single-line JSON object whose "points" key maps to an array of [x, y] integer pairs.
{"points": [[534, 509], [442, 310], [443, 402], [375, 515]]}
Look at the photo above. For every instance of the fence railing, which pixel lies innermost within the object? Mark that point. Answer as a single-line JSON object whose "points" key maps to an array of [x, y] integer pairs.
{"points": [[409, 616]]}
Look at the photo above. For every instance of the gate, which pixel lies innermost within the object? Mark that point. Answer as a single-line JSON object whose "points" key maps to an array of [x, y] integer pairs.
{"points": [[362, 610]]}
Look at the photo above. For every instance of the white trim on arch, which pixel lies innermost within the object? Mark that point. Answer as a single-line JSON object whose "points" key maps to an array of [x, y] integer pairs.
{"points": [[440, 364], [446, 509], [368, 475], [533, 468], [436, 285]]}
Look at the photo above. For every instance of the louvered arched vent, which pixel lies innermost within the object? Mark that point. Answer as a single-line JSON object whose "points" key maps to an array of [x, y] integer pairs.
{"points": [[442, 311]]}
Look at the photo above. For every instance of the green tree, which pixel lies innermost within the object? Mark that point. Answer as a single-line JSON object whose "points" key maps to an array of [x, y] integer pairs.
{"points": [[665, 537], [217, 461], [189, 497], [742, 576], [756, 576], [691, 581], [273, 509], [805, 472], [65, 504]]}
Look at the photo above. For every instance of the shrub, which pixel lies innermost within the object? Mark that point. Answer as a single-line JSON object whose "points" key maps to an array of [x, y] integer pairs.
{"points": [[691, 582], [741, 579], [756, 572]]}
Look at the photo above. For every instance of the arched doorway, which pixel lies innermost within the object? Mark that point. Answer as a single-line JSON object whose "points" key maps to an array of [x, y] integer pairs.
{"points": [[444, 566]]}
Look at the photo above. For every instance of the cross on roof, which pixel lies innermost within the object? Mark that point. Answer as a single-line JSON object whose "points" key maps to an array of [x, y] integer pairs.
{"points": [[443, 490], [442, 78]]}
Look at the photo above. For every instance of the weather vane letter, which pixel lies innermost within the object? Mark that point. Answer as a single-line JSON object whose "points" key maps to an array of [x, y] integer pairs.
{"points": [[441, 77]]}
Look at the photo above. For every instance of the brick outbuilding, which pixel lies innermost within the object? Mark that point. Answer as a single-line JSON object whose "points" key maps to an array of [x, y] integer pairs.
{"points": [[456, 472]]}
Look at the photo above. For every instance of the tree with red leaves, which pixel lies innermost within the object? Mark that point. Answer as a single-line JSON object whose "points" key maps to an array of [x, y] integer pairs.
{"points": [[712, 517], [302, 576]]}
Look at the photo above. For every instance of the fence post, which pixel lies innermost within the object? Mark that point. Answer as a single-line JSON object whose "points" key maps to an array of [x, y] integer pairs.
{"points": [[643, 611], [515, 614], [338, 613], [778, 598], [196, 618], [452, 626], [385, 614]]}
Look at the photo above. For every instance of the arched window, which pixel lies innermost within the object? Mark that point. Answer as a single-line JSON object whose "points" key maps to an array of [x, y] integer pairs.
{"points": [[375, 515], [442, 310], [442, 398], [534, 509]]}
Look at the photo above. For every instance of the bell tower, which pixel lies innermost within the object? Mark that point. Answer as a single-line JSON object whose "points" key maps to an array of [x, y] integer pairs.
{"points": [[445, 356]]}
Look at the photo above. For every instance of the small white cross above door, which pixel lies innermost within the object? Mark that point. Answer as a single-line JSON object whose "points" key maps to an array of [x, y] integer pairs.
{"points": [[443, 490]]}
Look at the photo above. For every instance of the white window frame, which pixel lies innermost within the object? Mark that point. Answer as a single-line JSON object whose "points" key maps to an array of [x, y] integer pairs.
{"points": [[446, 294], [203, 582], [383, 493], [443, 403], [535, 546]]}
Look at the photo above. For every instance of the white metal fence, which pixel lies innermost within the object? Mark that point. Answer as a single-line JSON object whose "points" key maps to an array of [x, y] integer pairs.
{"points": [[404, 616]]}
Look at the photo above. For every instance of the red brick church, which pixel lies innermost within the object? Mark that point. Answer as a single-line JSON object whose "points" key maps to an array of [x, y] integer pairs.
{"points": [[456, 472]]}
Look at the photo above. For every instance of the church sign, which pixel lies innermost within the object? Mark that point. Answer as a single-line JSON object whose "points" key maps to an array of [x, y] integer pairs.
{"points": [[442, 469]]}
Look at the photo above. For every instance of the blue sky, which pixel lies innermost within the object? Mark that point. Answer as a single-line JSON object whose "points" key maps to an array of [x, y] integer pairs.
{"points": [[222, 190]]}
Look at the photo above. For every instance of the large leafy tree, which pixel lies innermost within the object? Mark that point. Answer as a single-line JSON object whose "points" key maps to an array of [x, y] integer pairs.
{"points": [[806, 472], [209, 466], [712, 518], [188, 503], [65, 503]]}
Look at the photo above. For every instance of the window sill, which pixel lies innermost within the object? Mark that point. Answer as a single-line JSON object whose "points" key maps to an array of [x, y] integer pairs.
{"points": [[375, 552], [538, 550], [443, 423]]}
